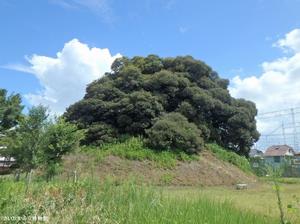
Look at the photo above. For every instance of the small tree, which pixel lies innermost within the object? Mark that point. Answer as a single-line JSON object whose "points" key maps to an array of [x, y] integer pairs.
{"points": [[25, 142], [38, 142], [60, 138]]}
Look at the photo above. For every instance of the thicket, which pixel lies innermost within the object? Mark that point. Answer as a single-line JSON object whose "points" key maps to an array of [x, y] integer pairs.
{"points": [[176, 103]]}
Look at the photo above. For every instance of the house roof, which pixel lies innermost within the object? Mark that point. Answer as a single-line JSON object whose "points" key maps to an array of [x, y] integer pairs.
{"points": [[6, 159], [279, 150]]}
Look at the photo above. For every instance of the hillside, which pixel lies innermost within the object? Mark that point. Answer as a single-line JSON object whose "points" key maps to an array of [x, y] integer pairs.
{"points": [[205, 169]]}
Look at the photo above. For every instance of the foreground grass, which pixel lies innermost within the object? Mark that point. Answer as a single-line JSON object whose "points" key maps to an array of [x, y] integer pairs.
{"points": [[90, 201], [134, 149], [283, 180], [259, 199], [231, 157]]}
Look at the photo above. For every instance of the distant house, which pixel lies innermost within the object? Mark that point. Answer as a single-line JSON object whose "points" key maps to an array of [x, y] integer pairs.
{"points": [[296, 160], [6, 164], [277, 155], [255, 153]]}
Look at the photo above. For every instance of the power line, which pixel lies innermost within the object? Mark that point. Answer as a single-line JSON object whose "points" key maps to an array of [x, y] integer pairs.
{"points": [[287, 129], [259, 117], [276, 111]]}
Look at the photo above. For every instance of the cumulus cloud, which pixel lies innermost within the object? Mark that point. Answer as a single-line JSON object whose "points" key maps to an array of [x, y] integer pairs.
{"points": [[278, 86], [65, 77], [290, 42]]}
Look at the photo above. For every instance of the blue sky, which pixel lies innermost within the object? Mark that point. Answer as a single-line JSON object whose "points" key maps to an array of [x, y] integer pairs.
{"points": [[234, 37], [228, 35]]}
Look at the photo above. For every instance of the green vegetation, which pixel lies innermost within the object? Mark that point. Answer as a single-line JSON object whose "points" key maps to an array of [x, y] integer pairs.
{"points": [[259, 198], [88, 201], [167, 178], [38, 142], [230, 157], [139, 98], [162, 110], [10, 110], [283, 180], [173, 131], [134, 149], [10, 114]]}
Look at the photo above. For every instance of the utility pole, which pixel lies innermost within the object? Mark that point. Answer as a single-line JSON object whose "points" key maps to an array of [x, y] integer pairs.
{"points": [[294, 130]]}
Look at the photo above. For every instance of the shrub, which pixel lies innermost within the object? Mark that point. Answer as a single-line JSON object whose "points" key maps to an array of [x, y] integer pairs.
{"points": [[173, 131], [59, 139]]}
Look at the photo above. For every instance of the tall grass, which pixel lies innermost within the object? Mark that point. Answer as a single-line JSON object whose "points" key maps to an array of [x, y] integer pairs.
{"points": [[89, 201], [231, 157], [134, 149]]}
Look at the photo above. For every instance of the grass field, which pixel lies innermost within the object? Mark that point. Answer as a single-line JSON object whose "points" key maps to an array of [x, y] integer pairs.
{"points": [[258, 199], [89, 201]]}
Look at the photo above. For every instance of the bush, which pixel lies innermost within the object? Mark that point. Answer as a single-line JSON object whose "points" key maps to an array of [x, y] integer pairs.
{"points": [[59, 138], [173, 131]]}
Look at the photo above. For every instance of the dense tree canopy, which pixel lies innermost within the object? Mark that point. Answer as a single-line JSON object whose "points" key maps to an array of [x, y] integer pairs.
{"points": [[136, 96]]}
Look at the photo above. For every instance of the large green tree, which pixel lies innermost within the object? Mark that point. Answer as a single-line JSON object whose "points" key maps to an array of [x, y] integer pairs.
{"points": [[138, 91], [10, 110]]}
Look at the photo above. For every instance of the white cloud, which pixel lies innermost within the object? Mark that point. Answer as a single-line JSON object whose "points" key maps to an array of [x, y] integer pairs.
{"points": [[278, 87], [64, 77], [291, 42]]}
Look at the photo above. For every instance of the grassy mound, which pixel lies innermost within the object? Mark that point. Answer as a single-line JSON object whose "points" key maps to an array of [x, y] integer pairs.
{"points": [[230, 157], [132, 159], [134, 149]]}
